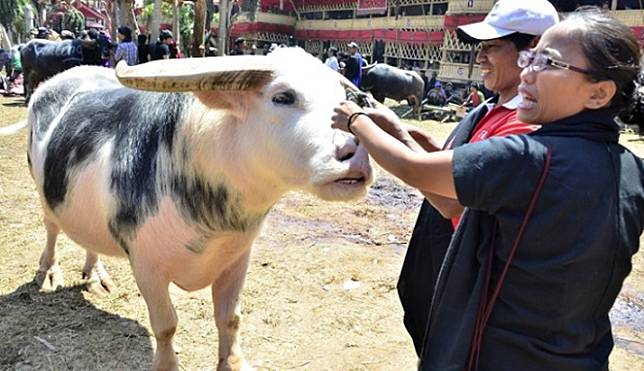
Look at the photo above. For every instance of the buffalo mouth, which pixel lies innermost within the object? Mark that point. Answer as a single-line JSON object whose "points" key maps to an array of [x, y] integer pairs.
{"points": [[344, 187], [351, 180]]}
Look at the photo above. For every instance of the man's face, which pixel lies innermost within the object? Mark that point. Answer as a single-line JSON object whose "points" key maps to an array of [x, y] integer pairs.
{"points": [[353, 50], [498, 63]]}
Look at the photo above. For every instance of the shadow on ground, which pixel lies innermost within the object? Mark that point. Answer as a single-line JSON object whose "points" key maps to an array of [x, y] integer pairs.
{"points": [[14, 104], [63, 330]]}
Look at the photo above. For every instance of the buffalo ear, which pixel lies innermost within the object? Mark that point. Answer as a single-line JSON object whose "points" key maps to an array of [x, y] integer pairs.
{"points": [[235, 102]]}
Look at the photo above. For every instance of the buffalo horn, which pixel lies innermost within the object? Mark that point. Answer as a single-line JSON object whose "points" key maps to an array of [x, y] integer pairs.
{"points": [[235, 73], [348, 85]]}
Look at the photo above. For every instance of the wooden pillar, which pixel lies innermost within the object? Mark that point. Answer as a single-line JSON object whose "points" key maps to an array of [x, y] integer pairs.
{"points": [[222, 43], [155, 22], [200, 24], [175, 24]]}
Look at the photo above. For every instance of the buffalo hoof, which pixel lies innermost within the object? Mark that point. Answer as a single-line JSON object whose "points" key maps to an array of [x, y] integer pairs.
{"points": [[234, 363], [98, 281], [50, 279], [165, 360]]}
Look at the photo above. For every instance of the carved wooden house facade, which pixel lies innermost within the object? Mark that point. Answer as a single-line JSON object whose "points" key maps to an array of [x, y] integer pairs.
{"points": [[417, 34]]}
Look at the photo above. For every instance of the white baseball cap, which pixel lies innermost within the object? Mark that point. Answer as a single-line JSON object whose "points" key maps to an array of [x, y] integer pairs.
{"points": [[532, 17]]}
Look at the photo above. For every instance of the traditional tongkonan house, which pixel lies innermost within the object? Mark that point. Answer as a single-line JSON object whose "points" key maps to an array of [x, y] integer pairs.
{"points": [[415, 34]]}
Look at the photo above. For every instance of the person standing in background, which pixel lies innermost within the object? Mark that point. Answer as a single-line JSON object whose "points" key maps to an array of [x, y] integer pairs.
{"points": [[126, 49], [353, 70], [332, 59], [162, 47], [143, 48]]}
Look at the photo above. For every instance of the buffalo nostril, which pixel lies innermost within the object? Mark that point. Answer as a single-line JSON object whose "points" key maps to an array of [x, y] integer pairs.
{"points": [[346, 156], [345, 146]]}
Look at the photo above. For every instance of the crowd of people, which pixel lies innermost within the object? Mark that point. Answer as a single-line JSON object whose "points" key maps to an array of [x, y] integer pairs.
{"points": [[349, 64], [125, 49]]}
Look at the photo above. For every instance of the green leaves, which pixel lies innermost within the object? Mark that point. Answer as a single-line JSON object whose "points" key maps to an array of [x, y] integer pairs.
{"points": [[8, 12], [74, 20]]}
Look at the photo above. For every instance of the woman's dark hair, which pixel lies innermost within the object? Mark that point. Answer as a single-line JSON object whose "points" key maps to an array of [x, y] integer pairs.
{"points": [[612, 51], [165, 34], [520, 40], [127, 32], [142, 39]]}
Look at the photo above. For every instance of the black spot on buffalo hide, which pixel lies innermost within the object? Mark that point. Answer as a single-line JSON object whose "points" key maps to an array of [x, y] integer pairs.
{"points": [[137, 124], [211, 208], [49, 104]]}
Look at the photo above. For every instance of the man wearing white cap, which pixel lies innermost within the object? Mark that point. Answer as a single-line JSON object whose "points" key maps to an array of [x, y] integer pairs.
{"points": [[354, 64], [442, 340]]}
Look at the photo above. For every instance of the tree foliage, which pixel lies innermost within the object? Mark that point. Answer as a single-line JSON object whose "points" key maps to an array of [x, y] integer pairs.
{"points": [[148, 8], [186, 23], [250, 6], [8, 12], [12, 17], [74, 20]]}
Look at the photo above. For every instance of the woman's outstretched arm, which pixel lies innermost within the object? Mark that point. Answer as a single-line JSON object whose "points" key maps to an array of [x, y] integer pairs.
{"points": [[428, 172]]}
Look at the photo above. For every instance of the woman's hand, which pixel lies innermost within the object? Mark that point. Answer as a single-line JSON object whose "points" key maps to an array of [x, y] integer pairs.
{"points": [[342, 113]]}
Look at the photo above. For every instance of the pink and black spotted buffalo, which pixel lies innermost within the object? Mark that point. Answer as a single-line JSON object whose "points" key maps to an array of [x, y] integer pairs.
{"points": [[177, 170]]}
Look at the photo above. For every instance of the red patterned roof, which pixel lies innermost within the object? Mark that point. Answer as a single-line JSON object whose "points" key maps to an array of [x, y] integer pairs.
{"points": [[88, 11]]}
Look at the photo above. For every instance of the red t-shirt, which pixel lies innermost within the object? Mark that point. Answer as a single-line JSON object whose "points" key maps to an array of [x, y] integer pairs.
{"points": [[499, 122], [475, 99]]}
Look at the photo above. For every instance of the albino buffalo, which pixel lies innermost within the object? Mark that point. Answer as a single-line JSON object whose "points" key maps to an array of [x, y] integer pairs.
{"points": [[180, 177]]}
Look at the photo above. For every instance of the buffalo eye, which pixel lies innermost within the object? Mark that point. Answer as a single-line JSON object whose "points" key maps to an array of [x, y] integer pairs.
{"points": [[285, 98]]}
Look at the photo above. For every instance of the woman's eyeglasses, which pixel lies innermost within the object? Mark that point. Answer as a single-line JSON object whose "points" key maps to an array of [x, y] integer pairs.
{"points": [[539, 62]]}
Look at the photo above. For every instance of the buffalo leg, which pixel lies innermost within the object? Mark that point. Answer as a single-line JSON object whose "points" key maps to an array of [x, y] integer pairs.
{"points": [[98, 280], [30, 83], [225, 297], [163, 318], [49, 276], [26, 85]]}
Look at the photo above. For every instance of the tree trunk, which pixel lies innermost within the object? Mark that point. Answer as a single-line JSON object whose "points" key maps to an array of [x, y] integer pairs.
{"points": [[38, 13], [200, 24], [5, 38], [156, 21], [125, 14], [29, 18], [222, 44], [210, 11], [175, 24]]}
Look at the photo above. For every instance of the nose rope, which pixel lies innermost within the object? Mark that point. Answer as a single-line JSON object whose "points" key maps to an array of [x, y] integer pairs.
{"points": [[359, 98]]}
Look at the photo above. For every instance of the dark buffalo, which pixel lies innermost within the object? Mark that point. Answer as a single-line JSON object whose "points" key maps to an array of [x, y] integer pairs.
{"points": [[42, 59], [385, 81], [635, 115]]}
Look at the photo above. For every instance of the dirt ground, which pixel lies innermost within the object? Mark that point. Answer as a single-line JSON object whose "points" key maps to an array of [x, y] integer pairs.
{"points": [[320, 292]]}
